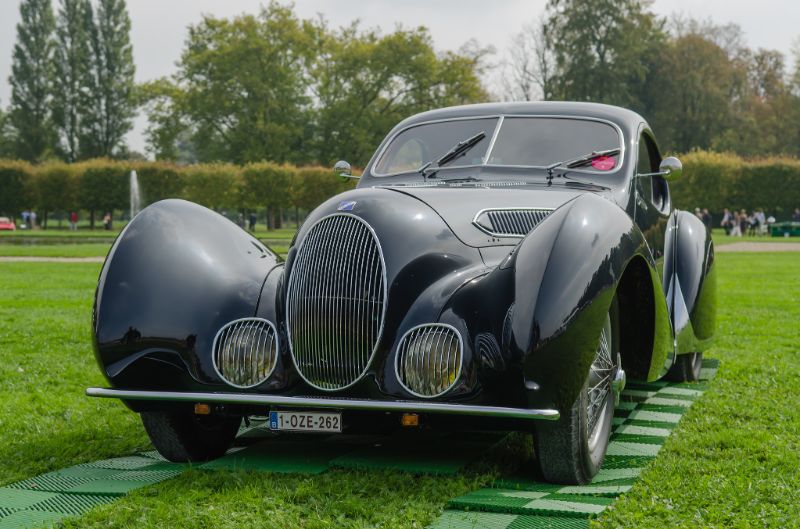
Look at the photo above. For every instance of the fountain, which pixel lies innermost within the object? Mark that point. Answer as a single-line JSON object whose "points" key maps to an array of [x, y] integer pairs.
{"points": [[136, 194]]}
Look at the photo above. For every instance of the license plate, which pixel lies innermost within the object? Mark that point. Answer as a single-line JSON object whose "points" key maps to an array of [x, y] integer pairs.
{"points": [[306, 421]]}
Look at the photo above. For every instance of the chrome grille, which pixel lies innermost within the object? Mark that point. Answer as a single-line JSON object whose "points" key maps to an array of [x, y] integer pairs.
{"points": [[336, 302], [245, 352], [428, 360], [510, 222]]}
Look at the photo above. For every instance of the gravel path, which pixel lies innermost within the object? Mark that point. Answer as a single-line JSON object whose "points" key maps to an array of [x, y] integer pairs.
{"points": [[17, 259], [759, 247]]}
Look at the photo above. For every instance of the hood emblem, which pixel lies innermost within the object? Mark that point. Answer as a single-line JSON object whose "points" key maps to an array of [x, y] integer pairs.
{"points": [[346, 205]]}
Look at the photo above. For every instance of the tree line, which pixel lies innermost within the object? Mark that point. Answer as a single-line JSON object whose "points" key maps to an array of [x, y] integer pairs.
{"points": [[274, 86], [698, 84], [72, 85], [103, 185]]}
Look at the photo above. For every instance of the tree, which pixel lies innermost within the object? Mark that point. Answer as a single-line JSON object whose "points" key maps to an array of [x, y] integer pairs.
{"points": [[6, 150], [109, 105], [244, 85], [364, 83], [692, 111], [531, 65], [602, 49], [277, 88], [31, 90], [70, 73]]}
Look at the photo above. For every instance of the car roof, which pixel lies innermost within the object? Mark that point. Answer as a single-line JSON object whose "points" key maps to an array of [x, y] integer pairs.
{"points": [[627, 120]]}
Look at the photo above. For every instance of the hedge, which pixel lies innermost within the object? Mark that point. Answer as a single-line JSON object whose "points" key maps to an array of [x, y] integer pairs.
{"points": [[710, 180], [103, 185], [716, 181]]}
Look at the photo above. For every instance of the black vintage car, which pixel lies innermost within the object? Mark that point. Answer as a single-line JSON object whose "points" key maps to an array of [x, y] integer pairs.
{"points": [[499, 266]]}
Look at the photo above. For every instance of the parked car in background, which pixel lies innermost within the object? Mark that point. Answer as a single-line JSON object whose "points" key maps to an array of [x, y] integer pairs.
{"points": [[6, 224], [499, 266]]}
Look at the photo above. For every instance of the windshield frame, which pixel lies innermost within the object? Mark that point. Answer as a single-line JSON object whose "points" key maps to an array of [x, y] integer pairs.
{"points": [[500, 120]]}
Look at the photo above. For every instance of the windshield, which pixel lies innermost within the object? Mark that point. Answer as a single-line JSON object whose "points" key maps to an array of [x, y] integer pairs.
{"points": [[520, 141], [416, 146]]}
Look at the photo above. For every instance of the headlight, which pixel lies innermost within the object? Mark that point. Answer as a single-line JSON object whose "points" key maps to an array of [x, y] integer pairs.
{"points": [[245, 352], [429, 358]]}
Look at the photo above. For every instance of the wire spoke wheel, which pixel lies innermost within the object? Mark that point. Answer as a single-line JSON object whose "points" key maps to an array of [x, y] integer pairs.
{"points": [[601, 374], [571, 450]]}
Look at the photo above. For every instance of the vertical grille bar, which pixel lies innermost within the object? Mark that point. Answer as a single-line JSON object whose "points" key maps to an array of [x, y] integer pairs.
{"points": [[336, 301], [510, 222]]}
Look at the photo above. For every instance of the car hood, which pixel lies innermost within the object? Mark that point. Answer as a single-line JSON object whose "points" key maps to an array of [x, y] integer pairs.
{"points": [[459, 206]]}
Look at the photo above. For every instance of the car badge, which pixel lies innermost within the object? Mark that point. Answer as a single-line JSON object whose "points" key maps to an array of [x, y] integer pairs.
{"points": [[347, 205]]}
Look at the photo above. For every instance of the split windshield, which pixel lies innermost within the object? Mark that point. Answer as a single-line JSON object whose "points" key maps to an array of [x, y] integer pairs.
{"points": [[521, 141]]}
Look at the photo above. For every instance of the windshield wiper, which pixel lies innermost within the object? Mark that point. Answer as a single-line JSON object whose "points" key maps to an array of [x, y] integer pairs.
{"points": [[457, 150], [577, 162]]}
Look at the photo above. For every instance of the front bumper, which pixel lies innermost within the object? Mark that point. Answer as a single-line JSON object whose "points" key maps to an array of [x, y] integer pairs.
{"points": [[331, 403]]}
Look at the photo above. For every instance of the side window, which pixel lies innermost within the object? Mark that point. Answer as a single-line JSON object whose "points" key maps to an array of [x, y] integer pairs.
{"points": [[649, 159]]}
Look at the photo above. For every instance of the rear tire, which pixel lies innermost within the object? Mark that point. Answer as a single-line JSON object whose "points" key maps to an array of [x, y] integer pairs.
{"points": [[183, 437], [571, 449], [686, 368]]}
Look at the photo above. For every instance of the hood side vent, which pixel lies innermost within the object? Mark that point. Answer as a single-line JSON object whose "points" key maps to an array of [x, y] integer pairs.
{"points": [[510, 222]]}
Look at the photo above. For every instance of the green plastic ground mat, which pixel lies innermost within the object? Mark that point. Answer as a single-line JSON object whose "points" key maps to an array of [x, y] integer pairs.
{"points": [[421, 452], [276, 455], [646, 415]]}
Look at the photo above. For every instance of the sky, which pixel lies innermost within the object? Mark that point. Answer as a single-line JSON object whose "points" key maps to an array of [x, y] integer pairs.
{"points": [[159, 26]]}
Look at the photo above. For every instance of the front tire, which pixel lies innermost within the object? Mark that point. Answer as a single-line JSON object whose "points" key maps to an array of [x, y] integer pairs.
{"points": [[686, 368], [182, 437], [571, 450]]}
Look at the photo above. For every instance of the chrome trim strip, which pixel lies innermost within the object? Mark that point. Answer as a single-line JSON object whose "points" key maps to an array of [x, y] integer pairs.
{"points": [[501, 118], [507, 235], [402, 349], [321, 402]]}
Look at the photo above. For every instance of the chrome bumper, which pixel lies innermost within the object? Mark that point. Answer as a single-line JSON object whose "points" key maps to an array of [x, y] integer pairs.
{"points": [[321, 402]]}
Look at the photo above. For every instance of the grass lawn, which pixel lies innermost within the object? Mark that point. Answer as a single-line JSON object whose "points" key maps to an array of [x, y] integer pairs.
{"points": [[733, 461], [721, 238], [55, 250]]}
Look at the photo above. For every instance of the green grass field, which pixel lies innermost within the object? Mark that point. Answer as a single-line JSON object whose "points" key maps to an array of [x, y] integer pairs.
{"points": [[733, 461]]}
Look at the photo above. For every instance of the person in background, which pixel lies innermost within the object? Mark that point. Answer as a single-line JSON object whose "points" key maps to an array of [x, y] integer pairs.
{"points": [[253, 219], [736, 225], [33, 220], [761, 222], [742, 222], [727, 221], [26, 218], [73, 221], [796, 216], [107, 223], [706, 218]]}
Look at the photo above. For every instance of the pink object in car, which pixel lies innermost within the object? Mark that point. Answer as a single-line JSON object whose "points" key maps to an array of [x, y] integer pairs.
{"points": [[603, 163]]}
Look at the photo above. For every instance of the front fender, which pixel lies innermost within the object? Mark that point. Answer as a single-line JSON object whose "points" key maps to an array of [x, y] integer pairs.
{"points": [[693, 289], [566, 272], [175, 275]]}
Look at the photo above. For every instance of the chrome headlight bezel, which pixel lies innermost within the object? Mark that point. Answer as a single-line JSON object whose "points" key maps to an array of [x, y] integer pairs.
{"points": [[252, 328], [448, 336]]}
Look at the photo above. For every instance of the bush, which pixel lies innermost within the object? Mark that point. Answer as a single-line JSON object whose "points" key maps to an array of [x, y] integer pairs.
{"points": [[56, 187], [719, 180], [103, 186], [16, 186], [214, 185], [160, 180]]}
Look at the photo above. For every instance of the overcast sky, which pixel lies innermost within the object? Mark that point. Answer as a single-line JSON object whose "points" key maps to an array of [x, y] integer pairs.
{"points": [[159, 26]]}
